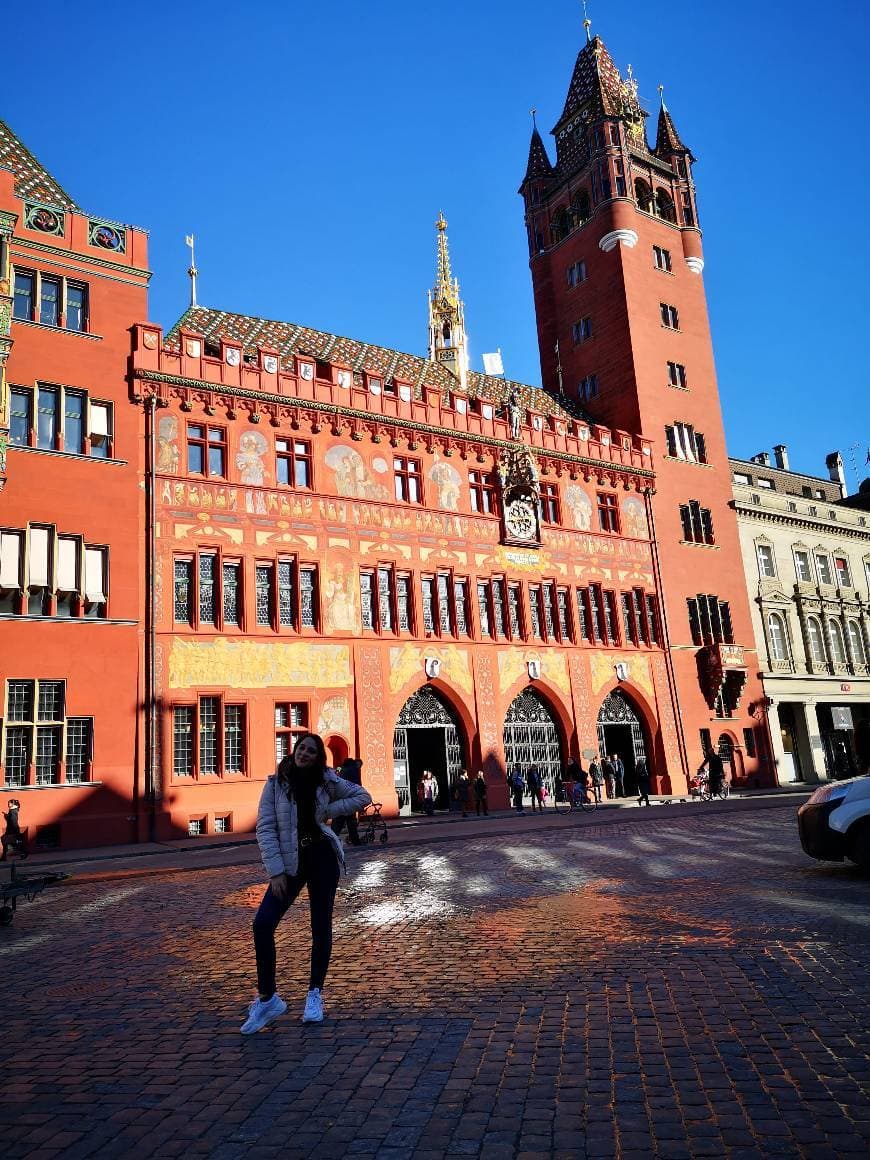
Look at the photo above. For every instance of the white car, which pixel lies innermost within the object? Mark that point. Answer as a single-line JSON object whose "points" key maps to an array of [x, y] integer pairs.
{"points": [[835, 823]]}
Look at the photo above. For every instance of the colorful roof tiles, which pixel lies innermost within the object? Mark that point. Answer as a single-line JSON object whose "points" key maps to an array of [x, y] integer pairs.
{"points": [[32, 181], [290, 339]]}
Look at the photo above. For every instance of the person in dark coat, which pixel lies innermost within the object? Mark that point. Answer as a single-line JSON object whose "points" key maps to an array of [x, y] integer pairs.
{"points": [[480, 794], [715, 770], [350, 770], [609, 777], [536, 788], [517, 784], [619, 773], [643, 782], [574, 779], [596, 773]]}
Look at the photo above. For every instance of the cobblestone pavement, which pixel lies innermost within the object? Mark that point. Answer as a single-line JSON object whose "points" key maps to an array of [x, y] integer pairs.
{"points": [[691, 987]]}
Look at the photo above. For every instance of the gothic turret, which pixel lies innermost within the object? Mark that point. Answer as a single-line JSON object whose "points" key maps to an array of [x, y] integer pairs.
{"points": [[447, 342], [538, 167], [668, 143]]}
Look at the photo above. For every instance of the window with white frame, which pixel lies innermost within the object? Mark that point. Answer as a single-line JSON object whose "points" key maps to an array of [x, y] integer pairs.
{"points": [[776, 635], [802, 567], [856, 642], [816, 641], [291, 721], [57, 418], [835, 635], [766, 562], [684, 442], [50, 300], [823, 566], [39, 741], [844, 575]]}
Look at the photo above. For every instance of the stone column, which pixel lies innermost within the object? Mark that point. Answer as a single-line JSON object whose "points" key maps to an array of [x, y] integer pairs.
{"points": [[809, 740], [777, 748]]}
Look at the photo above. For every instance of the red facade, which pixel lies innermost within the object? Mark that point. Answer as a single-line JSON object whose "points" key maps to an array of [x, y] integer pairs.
{"points": [[215, 538]]}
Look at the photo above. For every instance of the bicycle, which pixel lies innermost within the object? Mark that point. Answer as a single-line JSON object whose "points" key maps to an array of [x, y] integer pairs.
{"points": [[370, 825], [576, 798]]}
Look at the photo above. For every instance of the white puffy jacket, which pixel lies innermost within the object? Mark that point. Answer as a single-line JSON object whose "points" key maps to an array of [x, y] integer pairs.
{"points": [[276, 819]]}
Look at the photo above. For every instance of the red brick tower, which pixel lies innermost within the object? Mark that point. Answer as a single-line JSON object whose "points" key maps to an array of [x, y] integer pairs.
{"points": [[615, 254]]}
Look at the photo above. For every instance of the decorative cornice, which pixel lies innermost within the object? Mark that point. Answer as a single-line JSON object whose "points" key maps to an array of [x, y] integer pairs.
{"points": [[388, 422], [91, 261], [610, 241], [696, 265], [793, 519]]}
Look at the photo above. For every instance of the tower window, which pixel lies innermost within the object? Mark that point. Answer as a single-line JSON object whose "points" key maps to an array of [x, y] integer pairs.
{"points": [[670, 316], [582, 330], [588, 388], [581, 207], [677, 375], [643, 195], [684, 442], [614, 134], [697, 523], [665, 206], [576, 273], [662, 259]]}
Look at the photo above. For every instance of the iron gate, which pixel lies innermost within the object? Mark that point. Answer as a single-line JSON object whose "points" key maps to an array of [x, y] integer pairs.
{"points": [[423, 710], [531, 738], [617, 710]]}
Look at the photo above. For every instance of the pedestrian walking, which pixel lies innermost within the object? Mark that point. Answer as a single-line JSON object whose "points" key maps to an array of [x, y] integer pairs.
{"points": [[715, 770], [350, 770], [517, 785], [480, 802], [299, 849], [619, 774], [536, 788], [463, 792], [596, 775], [11, 839], [428, 792], [609, 777], [643, 782]]}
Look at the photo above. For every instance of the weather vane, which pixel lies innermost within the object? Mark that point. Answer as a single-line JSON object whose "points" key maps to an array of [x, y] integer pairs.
{"points": [[534, 122], [587, 23], [192, 270]]}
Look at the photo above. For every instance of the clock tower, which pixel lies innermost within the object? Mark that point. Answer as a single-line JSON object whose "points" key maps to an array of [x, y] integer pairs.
{"points": [[616, 262], [447, 342]]}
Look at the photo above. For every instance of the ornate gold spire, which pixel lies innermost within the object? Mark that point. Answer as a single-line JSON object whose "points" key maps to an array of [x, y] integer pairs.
{"points": [[447, 342]]}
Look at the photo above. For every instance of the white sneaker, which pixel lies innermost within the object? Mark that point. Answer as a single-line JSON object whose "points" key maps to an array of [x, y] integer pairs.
{"points": [[261, 1013], [313, 1012]]}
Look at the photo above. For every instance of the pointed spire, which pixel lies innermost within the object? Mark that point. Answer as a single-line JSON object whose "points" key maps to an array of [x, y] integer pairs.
{"points": [[447, 342], [443, 277], [594, 84], [538, 164], [667, 138]]}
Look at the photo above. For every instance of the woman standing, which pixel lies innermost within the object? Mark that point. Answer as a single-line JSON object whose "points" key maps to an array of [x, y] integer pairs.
{"points": [[428, 792], [299, 849], [480, 794]]}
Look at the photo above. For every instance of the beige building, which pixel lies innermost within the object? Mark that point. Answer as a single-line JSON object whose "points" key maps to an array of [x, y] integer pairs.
{"points": [[806, 553]]}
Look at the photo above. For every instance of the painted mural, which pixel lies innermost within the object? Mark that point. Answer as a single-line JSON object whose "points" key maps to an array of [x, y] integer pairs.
{"points": [[580, 506], [340, 587], [248, 664], [602, 665], [409, 660], [334, 717], [447, 483], [352, 477], [249, 458], [168, 454], [634, 522], [513, 665]]}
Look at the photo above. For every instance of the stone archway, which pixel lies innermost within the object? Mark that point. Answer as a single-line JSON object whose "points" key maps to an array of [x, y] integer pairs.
{"points": [[427, 736], [621, 731], [531, 737]]}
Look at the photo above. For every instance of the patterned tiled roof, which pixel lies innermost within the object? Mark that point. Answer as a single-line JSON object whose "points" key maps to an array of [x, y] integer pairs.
{"points": [[31, 180], [667, 138], [289, 339], [539, 163], [596, 83]]}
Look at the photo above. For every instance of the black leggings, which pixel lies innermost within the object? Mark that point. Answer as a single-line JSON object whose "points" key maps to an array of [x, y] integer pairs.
{"points": [[318, 869]]}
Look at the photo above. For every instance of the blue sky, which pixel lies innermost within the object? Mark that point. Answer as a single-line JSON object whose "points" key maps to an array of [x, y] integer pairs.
{"points": [[311, 147]]}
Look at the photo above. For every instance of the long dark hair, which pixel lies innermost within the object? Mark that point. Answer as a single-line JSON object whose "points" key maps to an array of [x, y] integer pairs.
{"points": [[287, 767]]}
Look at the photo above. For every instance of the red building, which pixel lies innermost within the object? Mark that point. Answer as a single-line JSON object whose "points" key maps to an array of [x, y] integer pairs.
{"points": [[71, 516], [217, 537], [616, 262]]}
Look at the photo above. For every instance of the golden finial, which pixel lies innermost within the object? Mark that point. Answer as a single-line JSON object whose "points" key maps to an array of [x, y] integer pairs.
{"points": [[441, 224]]}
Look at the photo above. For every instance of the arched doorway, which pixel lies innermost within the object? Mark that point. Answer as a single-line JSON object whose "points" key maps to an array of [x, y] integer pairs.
{"points": [[531, 738], [426, 736], [726, 752], [620, 731]]}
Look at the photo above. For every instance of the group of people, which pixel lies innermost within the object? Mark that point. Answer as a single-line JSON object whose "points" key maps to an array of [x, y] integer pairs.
{"points": [[463, 791], [605, 771]]}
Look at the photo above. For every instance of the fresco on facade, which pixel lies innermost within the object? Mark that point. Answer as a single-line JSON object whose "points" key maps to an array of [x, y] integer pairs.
{"points": [[339, 598], [634, 521], [249, 458], [447, 484], [334, 717], [352, 477], [513, 665], [409, 660], [168, 455], [580, 506], [247, 664], [602, 667]]}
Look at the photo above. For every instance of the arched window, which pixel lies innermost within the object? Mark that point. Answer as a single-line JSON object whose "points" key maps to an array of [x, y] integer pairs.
{"points": [[726, 752], [777, 637], [665, 205], [445, 333], [643, 195], [561, 224], [816, 640], [838, 649], [581, 207], [856, 642]]}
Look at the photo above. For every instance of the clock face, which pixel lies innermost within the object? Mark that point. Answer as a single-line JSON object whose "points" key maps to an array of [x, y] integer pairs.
{"points": [[520, 519]]}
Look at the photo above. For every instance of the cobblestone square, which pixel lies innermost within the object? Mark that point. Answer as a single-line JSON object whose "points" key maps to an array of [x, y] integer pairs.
{"points": [[677, 988]]}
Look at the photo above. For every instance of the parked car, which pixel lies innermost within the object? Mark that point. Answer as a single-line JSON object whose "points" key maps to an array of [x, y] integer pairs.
{"points": [[835, 823]]}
